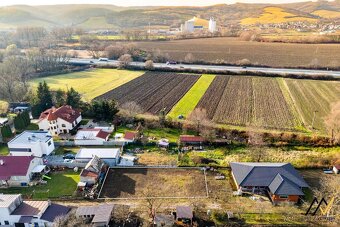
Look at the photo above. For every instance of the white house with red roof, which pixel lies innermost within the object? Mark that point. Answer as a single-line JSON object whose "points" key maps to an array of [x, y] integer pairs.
{"points": [[16, 171], [59, 120], [91, 137]]}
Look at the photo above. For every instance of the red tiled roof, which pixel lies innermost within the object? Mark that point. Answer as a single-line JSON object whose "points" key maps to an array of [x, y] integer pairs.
{"points": [[86, 173], [14, 166], [65, 112], [103, 135], [337, 166], [190, 138], [129, 135]]}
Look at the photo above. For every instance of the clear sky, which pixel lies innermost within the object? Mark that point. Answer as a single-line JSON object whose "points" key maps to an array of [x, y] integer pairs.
{"points": [[139, 2]]}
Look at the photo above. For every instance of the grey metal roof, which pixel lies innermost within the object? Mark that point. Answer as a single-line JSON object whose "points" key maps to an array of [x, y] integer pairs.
{"points": [[101, 213], [283, 186], [263, 174]]}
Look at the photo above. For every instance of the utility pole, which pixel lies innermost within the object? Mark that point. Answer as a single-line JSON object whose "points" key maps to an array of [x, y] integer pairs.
{"points": [[315, 111]]}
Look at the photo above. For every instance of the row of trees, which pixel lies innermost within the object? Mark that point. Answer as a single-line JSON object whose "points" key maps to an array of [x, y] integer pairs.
{"points": [[17, 68], [45, 99], [35, 36], [101, 110]]}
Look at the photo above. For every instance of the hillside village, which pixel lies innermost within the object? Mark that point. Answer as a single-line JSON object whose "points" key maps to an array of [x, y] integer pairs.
{"points": [[224, 115]]}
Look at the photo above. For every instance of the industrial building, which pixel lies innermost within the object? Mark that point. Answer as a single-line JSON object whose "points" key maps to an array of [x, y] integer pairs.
{"points": [[197, 24]]}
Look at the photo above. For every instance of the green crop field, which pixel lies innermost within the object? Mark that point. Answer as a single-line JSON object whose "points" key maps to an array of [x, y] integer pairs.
{"points": [[310, 96], [192, 97], [91, 83]]}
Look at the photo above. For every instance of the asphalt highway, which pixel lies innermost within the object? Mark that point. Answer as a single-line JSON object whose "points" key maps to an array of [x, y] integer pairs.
{"points": [[237, 69]]}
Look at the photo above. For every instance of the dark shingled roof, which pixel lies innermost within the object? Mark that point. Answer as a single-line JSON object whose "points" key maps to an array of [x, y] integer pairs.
{"points": [[283, 186], [281, 178], [53, 211]]}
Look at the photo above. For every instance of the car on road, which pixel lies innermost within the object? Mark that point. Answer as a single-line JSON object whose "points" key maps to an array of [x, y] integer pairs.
{"points": [[103, 59], [171, 63], [69, 156]]}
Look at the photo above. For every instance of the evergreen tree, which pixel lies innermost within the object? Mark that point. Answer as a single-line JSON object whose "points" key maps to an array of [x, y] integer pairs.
{"points": [[46, 98], [19, 122], [60, 98], [6, 131], [104, 110], [73, 98], [26, 118], [43, 99]]}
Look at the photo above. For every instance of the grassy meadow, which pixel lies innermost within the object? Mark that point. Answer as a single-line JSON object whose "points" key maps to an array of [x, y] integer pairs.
{"points": [[91, 83]]}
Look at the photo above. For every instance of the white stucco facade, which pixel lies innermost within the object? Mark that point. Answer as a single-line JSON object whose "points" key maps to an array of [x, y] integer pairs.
{"points": [[32, 143]]}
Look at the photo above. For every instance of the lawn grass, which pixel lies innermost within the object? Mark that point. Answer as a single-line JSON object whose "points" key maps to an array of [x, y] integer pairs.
{"points": [[61, 184], [90, 83], [4, 150], [172, 134], [192, 97]]}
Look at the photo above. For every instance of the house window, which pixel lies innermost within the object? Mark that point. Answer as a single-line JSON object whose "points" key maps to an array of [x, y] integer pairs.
{"points": [[6, 222], [283, 196], [63, 125], [49, 143]]}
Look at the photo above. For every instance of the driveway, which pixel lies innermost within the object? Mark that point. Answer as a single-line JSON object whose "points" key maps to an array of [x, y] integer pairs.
{"points": [[57, 160]]}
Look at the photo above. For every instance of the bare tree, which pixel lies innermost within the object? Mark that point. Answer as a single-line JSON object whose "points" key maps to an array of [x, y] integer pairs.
{"points": [[189, 58], [94, 50], [69, 220], [200, 118], [332, 122], [149, 65], [151, 203], [124, 61], [257, 144], [130, 110]]}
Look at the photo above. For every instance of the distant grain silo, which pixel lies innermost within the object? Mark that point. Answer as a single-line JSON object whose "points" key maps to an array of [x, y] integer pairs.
{"points": [[212, 25]]}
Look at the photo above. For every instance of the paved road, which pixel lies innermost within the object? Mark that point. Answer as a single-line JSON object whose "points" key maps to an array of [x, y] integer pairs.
{"points": [[237, 69]]}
